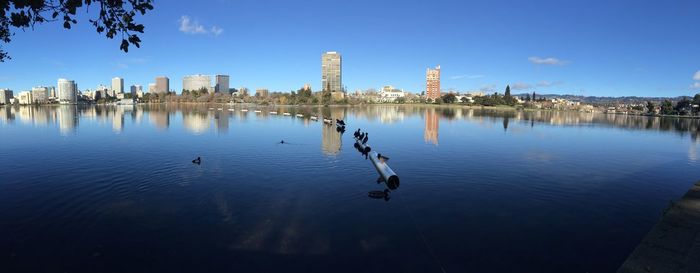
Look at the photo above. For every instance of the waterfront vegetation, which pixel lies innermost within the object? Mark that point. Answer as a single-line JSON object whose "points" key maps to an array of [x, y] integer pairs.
{"points": [[683, 106]]}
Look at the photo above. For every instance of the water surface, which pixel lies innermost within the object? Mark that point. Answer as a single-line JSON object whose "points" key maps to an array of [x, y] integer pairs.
{"points": [[113, 189]]}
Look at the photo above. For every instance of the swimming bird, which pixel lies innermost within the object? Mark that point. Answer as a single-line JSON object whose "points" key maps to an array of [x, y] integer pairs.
{"points": [[380, 157], [357, 133], [379, 194], [364, 140], [340, 121], [362, 135], [197, 161], [282, 141]]}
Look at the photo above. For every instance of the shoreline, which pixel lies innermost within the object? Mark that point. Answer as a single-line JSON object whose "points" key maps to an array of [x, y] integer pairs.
{"points": [[462, 106]]}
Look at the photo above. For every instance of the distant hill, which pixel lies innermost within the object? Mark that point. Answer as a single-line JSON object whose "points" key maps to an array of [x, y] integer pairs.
{"points": [[607, 100]]}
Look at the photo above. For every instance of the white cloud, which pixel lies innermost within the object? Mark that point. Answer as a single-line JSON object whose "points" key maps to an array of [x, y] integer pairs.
{"points": [[216, 30], [466, 77], [189, 26], [696, 85], [488, 88], [548, 83], [546, 61], [523, 85], [520, 86], [697, 76]]}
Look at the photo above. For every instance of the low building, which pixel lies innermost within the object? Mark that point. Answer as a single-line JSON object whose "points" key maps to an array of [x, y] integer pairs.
{"points": [[262, 92], [26, 98], [390, 94], [464, 99], [125, 102]]}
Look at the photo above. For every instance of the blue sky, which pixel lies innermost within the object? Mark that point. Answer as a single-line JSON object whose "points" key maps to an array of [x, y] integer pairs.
{"points": [[603, 48]]}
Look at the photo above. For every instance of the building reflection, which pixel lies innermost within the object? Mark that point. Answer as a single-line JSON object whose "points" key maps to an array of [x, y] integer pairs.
{"points": [[198, 118], [6, 115], [331, 139], [432, 125], [160, 118], [67, 119], [118, 120], [221, 118], [196, 122]]}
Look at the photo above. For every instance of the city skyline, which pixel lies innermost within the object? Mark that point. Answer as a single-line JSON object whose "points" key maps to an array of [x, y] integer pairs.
{"points": [[545, 46]]}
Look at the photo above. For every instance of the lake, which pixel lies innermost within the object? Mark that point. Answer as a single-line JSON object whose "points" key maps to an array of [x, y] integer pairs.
{"points": [[114, 189]]}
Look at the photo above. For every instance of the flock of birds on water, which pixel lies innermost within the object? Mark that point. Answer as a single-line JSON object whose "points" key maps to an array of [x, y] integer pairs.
{"points": [[361, 137]]}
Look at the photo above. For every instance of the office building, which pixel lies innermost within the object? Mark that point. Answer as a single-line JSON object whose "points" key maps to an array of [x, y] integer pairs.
{"points": [[221, 84], [135, 90], [262, 92], [162, 85], [40, 94], [67, 91], [117, 85], [5, 96], [26, 97], [432, 83], [197, 82], [331, 72], [152, 88]]}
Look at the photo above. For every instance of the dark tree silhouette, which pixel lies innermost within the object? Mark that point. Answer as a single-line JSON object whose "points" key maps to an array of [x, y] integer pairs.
{"points": [[507, 97], [115, 17]]}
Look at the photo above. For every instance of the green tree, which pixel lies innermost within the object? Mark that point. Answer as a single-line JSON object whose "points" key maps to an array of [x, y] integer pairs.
{"points": [[507, 98], [464, 100], [666, 107], [439, 101], [400, 100], [696, 102], [115, 17], [683, 107], [651, 107], [449, 98], [534, 97]]}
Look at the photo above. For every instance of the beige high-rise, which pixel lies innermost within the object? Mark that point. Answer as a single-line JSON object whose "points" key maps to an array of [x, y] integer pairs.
{"points": [[331, 72]]}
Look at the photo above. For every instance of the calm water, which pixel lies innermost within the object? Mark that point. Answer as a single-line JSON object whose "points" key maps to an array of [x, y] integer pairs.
{"points": [[113, 189]]}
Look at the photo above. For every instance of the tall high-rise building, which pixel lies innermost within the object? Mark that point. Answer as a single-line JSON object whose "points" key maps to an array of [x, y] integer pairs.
{"points": [[67, 91], [197, 82], [40, 94], [152, 88], [5, 96], [221, 84], [432, 83], [162, 85], [331, 72], [117, 85]]}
